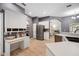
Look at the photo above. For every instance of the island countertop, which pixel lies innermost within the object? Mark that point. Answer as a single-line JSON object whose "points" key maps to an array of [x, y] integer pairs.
{"points": [[67, 34], [63, 48]]}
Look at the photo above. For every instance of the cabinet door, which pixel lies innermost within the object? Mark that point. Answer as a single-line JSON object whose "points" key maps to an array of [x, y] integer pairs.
{"points": [[58, 38], [25, 43], [34, 30]]}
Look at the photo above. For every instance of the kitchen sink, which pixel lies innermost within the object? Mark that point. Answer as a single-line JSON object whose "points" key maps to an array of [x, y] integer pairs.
{"points": [[73, 39]]}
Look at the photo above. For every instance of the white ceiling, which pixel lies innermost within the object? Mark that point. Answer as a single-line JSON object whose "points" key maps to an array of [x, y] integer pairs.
{"points": [[51, 9]]}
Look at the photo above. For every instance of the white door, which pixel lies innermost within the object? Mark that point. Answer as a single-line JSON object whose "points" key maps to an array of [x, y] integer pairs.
{"points": [[1, 33]]}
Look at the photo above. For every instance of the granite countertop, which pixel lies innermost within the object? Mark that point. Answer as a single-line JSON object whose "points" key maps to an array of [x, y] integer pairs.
{"points": [[64, 48]]}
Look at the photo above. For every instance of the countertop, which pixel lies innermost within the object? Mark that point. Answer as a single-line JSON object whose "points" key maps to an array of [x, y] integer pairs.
{"points": [[64, 48], [67, 34], [14, 40]]}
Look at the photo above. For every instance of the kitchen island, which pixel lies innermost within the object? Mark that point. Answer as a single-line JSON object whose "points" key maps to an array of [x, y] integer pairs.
{"points": [[62, 49], [66, 35]]}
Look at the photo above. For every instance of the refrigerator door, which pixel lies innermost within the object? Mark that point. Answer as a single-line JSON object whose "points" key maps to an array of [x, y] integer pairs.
{"points": [[40, 32]]}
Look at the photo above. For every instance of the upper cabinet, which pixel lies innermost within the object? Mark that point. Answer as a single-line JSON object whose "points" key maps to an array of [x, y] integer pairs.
{"points": [[15, 20]]}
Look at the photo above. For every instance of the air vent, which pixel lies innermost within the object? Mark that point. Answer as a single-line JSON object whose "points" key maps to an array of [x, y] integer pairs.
{"points": [[22, 5], [68, 5]]}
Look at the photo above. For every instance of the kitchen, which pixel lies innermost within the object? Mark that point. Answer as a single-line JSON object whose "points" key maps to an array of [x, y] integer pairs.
{"points": [[23, 27]]}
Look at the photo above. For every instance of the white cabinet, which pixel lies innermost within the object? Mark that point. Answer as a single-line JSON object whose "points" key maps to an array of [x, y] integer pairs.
{"points": [[34, 30], [23, 42], [26, 41], [46, 35]]}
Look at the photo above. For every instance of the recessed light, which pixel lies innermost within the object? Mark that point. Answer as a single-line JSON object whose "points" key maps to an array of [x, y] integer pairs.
{"points": [[54, 26], [73, 17], [78, 16]]}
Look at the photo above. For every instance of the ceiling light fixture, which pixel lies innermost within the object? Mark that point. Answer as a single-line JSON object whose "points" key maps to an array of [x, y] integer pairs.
{"points": [[73, 17], [78, 16]]}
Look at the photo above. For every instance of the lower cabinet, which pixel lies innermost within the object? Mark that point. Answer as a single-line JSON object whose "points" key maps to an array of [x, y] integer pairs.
{"points": [[10, 45], [25, 43], [58, 38]]}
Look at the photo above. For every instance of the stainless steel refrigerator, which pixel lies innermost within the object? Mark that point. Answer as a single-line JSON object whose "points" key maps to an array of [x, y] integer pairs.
{"points": [[40, 32]]}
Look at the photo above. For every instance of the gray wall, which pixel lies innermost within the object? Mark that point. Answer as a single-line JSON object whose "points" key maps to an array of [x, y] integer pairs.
{"points": [[35, 20], [48, 18], [65, 25], [66, 21], [12, 7]]}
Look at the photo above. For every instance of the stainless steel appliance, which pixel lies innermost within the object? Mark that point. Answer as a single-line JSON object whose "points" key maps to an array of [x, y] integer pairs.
{"points": [[40, 32]]}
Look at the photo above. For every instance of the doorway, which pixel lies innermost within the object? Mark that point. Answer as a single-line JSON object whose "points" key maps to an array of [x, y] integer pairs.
{"points": [[55, 27]]}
